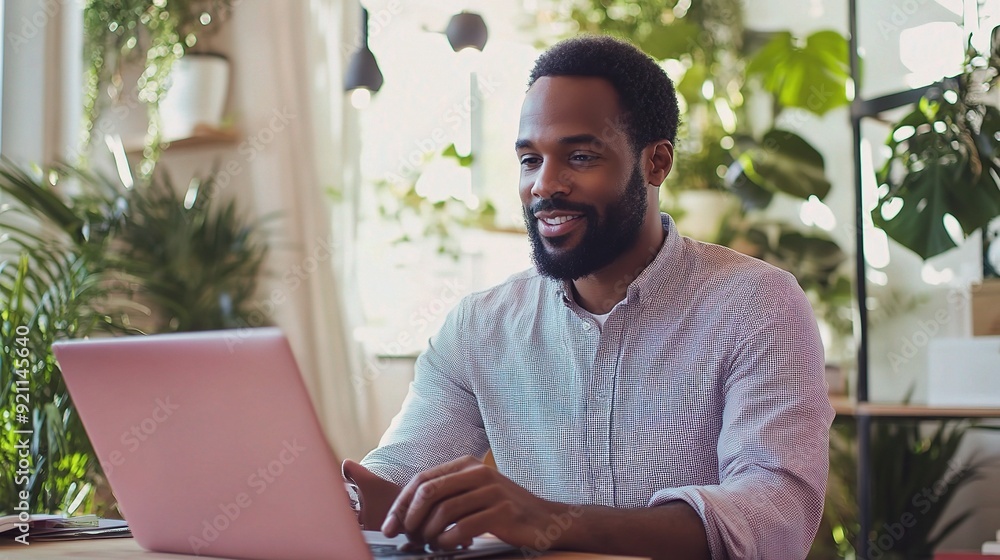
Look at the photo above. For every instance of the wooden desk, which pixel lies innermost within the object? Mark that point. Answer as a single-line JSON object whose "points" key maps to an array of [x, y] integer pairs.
{"points": [[104, 549]]}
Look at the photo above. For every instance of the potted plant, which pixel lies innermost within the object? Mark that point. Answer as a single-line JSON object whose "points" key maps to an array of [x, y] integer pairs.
{"points": [[196, 99], [916, 475], [73, 266], [158, 33], [944, 165]]}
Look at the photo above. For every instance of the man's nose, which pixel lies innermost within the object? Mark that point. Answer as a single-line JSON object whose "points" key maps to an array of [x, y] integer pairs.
{"points": [[552, 180]]}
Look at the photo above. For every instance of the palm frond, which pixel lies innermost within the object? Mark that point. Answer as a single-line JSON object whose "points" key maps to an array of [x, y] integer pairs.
{"points": [[107, 258]]}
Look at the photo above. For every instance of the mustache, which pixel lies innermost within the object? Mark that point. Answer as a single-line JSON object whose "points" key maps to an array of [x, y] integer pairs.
{"points": [[551, 204]]}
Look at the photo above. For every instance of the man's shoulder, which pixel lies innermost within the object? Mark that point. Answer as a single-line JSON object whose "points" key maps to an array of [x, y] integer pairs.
{"points": [[519, 298], [517, 286], [734, 273]]}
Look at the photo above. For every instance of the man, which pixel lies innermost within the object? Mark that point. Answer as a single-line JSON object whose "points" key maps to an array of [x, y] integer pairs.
{"points": [[642, 393]]}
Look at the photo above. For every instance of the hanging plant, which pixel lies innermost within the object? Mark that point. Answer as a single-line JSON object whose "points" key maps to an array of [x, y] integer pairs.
{"points": [[157, 32], [945, 164]]}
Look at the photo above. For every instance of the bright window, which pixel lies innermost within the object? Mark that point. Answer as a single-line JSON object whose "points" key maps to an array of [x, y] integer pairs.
{"points": [[430, 101]]}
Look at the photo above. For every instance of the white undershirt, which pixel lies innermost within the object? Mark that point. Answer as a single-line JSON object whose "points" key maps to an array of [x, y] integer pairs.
{"points": [[600, 318]]}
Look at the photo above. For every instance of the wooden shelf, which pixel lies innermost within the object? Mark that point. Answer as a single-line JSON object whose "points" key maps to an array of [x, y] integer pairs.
{"points": [[204, 135], [200, 137], [844, 406]]}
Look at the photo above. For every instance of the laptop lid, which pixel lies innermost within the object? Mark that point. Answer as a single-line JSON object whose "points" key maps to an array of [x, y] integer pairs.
{"points": [[211, 445]]}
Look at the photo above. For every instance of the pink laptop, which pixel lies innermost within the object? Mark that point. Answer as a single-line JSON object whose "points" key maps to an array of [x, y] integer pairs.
{"points": [[211, 446]]}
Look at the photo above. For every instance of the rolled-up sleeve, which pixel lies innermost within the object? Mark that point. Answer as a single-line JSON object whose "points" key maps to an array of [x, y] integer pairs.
{"points": [[440, 419], [774, 443]]}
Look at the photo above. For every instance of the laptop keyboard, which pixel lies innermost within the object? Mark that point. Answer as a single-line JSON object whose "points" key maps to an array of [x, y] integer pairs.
{"points": [[392, 551]]}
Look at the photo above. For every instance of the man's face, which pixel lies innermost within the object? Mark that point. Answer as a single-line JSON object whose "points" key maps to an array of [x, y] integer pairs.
{"points": [[583, 192]]}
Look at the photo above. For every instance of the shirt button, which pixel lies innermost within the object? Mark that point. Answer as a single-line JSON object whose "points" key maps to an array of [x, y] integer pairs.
{"points": [[587, 326]]}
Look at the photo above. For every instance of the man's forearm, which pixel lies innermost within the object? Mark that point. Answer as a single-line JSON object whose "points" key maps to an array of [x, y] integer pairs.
{"points": [[670, 531]]}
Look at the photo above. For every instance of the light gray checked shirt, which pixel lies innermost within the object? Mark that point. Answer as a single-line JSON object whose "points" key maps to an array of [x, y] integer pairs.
{"points": [[704, 385]]}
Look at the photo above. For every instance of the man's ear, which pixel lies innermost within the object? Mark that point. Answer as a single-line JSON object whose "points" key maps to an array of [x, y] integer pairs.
{"points": [[658, 161]]}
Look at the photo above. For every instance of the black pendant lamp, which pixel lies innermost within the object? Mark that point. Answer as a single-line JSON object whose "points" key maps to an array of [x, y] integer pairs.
{"points": [[467, 30], [362, 70]]}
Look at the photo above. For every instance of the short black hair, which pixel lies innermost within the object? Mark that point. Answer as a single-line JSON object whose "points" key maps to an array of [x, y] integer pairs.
{"points": [[645, 93]]}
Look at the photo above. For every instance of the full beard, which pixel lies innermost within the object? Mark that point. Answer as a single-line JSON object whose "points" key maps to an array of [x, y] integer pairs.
{"points": [[603, 241]]}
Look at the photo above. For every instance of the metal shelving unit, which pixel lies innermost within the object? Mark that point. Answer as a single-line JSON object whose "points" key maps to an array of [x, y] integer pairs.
{"points": [[861, 409]]}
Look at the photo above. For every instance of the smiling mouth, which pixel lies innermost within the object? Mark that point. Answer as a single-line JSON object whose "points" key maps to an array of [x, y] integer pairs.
{"points": [[559, 220], [552, 227]]}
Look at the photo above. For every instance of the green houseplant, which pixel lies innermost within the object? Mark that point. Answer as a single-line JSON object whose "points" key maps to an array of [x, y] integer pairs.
{"points": [[915, 477], [721, 65], [156, 32], [72, 266], [400, 202], [49, 293], [945, 162]]}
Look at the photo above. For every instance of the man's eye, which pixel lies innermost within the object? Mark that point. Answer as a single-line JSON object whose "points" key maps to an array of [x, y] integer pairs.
{"points": [[529, 160], [583, 157]]}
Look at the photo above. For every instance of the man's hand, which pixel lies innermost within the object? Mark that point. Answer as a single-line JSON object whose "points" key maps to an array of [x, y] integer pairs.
{"points": [[374, 493], [475, 498]]}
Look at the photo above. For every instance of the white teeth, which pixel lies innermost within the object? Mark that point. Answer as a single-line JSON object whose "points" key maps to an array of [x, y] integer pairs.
{"points": [[559, 220]]}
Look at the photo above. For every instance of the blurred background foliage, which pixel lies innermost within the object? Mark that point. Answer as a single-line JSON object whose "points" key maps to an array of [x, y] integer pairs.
{"points": [[106, 259], [157, 34], [732, 163], [916, 474], [85, 255], [941, 181]]}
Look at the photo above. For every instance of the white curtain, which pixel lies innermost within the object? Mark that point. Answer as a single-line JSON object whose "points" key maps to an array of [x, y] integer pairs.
{"points": [[41, 65], [287, 71]]}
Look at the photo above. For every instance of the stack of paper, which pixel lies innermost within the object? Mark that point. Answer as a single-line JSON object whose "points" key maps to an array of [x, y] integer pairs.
{"points": [[44, 527], [992, 547]]}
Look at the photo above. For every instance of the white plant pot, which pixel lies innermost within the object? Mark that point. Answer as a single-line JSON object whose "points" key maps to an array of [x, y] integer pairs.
{"points": [[704, 212], [197, 95]]}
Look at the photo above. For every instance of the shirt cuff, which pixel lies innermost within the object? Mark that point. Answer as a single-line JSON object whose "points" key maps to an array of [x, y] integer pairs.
{"points": [[729, 534], [395, 474]]}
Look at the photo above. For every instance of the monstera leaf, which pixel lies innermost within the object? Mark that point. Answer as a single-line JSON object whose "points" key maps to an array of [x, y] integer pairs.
{"points": [[940, 166], [813, 76], [781, 162]]}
